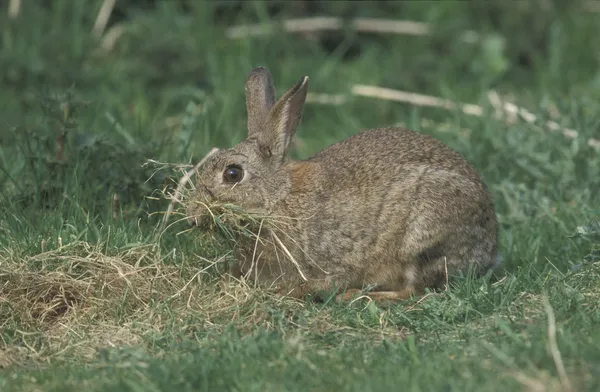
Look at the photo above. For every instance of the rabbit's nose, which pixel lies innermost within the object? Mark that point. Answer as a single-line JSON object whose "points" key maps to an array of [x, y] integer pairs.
{"points": [[193, 221]]}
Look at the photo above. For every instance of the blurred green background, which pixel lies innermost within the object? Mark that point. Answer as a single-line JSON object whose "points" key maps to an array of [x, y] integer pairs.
{"points": [[81, 114]]}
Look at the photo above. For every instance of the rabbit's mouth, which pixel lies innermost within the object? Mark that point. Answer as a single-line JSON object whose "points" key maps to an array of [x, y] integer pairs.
{"points": [[203, 221], [213, 217], [227, 219], [199, 216]]}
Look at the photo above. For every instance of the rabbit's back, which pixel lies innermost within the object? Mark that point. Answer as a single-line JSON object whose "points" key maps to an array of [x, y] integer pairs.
{"points": [[392, 208], [384, 153]]}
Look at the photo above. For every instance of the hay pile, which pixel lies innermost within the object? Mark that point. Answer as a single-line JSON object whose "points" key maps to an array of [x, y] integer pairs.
{"points": [[75, 300], [77, 291]]}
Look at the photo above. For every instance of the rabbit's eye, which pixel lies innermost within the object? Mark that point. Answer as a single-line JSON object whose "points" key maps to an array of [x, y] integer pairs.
{"points": [[233, 174]]}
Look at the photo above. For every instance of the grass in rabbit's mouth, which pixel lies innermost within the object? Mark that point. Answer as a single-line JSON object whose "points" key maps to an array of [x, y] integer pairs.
{"points": [[239, 227], [242, 228], [95, 294], [229, 220]]}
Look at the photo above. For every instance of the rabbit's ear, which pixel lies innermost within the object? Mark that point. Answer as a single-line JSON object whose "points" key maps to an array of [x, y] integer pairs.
{"points": [[260, 97], [283, 119]]}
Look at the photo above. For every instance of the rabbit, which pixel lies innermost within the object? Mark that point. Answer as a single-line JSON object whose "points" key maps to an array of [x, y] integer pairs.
{"points": [[388, 210]]}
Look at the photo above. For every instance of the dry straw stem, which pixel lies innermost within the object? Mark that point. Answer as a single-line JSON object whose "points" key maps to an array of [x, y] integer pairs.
{"points": [[300, 25], [14, 9], [110, 38], [504, 110], [289, 255], [592, 6], [329, 23], [103, 17], [362, 25], [542, 380], [553, 346], [115, 206]]}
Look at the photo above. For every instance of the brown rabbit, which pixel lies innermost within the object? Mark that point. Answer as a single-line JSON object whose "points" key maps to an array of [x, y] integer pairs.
{"points": [[387, 209]]}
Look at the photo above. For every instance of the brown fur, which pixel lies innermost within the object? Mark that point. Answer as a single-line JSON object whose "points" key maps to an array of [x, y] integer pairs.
{"points": [[303, 177], [388, 207]]}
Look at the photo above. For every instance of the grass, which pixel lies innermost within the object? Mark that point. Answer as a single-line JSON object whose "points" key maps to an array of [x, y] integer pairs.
{"points": [[94, 296]]}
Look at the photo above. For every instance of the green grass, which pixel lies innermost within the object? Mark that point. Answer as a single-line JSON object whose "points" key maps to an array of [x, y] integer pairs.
{"points": [[94, 297]]}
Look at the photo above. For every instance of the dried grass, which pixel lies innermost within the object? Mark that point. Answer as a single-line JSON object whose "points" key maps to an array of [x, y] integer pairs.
{"points": [[73, 301], [14, 8], [103, 17], [317, 24]]}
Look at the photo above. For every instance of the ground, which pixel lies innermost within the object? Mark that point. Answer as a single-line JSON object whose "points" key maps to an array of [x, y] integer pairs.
{"points": [[95, 296]]}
